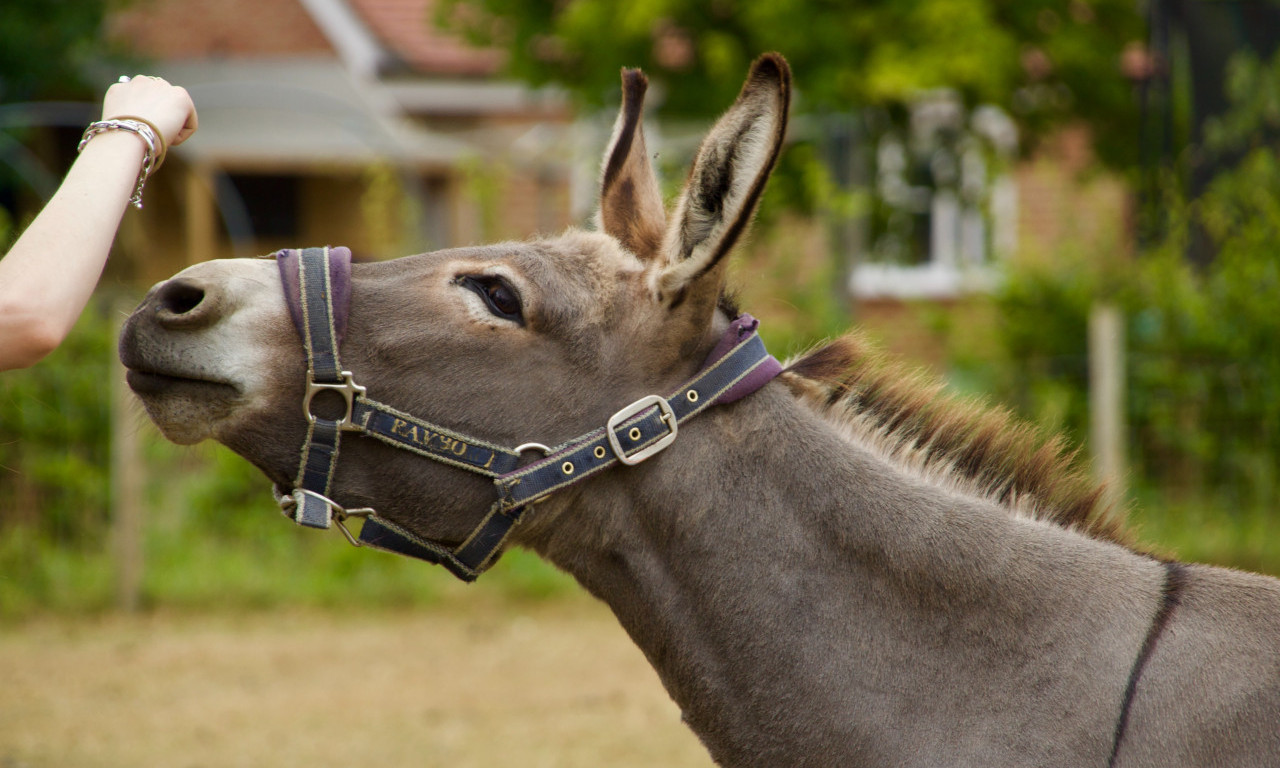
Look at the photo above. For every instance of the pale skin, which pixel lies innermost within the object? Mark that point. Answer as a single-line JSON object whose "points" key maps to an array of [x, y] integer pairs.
{"points": [[46, 279]]}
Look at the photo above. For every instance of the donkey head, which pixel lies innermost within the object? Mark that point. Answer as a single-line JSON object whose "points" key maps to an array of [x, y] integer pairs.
{"points": [[513, 343]]}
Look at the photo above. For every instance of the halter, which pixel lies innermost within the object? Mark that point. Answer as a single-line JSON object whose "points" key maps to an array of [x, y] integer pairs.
{"points": [[317, 288]]}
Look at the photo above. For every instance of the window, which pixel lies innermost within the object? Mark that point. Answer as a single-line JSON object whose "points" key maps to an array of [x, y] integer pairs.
{"points": [[941, 211], [269, 204]]}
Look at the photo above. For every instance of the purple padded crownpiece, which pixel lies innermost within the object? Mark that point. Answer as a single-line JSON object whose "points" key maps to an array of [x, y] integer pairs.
{"points": [[739, 330], [339, 283]]}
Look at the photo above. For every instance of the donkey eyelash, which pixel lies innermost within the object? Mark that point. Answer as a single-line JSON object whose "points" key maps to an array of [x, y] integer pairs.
{"points": [[501, 298]]}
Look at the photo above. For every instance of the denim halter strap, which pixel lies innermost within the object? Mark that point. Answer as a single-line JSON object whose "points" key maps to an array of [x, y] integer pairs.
{"points": [[317, 289]]}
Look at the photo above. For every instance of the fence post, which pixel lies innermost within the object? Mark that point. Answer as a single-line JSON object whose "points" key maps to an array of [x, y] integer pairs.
{"points": [[1106, 397], [126, 482]]}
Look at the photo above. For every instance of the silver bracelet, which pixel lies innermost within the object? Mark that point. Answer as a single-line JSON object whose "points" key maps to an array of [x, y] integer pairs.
{"points": [[141, 130]]}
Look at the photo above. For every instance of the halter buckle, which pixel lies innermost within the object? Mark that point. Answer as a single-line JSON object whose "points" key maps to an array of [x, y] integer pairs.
{"points": [[667, 415], [336, 514], [347, 388]]}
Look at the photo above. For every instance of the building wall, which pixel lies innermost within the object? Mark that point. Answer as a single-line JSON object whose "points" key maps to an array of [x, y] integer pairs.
{"points": [[190, 29], [1066, 201], [366, 209]]}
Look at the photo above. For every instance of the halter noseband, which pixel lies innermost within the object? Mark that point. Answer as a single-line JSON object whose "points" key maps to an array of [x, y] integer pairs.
{"points": [[317, 288]]}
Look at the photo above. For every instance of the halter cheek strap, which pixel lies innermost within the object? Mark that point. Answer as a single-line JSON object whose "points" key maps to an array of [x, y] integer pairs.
{"points": [[317, 289], [323, 286]]}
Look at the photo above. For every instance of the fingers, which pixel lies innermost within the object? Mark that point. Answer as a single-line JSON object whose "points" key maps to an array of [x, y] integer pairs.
{"points": [[192, 123], [169, 107]]}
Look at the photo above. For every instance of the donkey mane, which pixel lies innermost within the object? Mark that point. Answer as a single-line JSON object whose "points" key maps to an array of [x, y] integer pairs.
{"points": [[966, 444]]}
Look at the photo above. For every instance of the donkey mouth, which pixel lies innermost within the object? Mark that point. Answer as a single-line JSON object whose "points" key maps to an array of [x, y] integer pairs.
{"points": [[186, 408], [152, 370], [144, 382]]}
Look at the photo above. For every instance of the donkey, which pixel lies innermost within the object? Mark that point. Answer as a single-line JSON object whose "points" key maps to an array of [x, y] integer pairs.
{"points": [[832, 564]]}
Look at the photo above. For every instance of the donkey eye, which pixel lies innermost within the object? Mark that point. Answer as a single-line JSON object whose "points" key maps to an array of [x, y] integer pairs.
{"points": [[498, 295]]}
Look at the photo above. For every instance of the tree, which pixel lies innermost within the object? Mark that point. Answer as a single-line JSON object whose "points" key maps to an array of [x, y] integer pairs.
{"points": [[49, 51], [1047, 62], [55, 471], [46, 45]]}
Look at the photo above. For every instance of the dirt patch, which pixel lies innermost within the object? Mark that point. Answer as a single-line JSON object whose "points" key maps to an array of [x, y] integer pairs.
{"points": [[554, 685]]}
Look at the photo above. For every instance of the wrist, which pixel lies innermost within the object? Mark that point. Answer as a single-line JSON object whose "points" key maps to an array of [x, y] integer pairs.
{"points": [[145, 135], [163, 148]]}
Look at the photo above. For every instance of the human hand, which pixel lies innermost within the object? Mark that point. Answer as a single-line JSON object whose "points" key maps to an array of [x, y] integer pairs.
{"points": [[169, 107]]}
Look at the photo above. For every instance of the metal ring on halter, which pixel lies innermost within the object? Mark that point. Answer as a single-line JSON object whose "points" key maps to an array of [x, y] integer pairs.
{"points": [[533, 446], [339, 519]]}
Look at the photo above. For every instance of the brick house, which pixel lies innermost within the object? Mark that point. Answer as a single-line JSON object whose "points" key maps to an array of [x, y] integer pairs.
{"points": [[359, 122], [350, 122]]}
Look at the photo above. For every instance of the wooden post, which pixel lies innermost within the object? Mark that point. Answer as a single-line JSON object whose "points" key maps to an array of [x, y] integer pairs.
{"points": [[1106, 397], [126, 484], [201, 215]]}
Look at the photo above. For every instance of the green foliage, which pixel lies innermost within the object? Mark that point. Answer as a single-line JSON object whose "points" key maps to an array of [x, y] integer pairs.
{"points": [[1203, 385], [39, 575], [45, 46], [391, 219], [1043, 315], [1213, 377], [54, 436], [214, 540], [222, 543], [1253, 87], [1045, 61], [213, 536], [1212, 414], [482, 186], [1203, 376], [1209, 528]]}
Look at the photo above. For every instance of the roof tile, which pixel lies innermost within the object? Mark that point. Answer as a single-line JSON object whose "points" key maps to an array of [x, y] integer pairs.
{"points": [[408, 28]]}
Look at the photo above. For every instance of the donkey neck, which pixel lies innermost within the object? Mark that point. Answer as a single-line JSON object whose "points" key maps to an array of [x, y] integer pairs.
{"points": [[793, 588]]}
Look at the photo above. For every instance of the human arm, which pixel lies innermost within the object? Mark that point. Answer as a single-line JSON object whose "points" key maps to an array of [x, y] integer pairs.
{"points": [[48, 276]]}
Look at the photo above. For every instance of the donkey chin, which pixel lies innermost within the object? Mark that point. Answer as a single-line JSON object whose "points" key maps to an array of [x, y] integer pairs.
{"points": [[198, 347]]}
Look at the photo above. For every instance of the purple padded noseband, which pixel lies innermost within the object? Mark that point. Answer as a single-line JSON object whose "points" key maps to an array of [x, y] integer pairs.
{"points": [[339, 282]]}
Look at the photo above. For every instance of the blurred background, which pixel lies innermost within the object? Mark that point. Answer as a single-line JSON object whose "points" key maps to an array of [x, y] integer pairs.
{"points": [[1068, 207]]}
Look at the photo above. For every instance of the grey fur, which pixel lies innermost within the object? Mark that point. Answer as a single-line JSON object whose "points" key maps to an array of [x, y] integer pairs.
{"points": [[808, 595]]}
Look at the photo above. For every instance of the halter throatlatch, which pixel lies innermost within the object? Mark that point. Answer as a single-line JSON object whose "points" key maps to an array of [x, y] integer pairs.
{"points": [[317, 289]]}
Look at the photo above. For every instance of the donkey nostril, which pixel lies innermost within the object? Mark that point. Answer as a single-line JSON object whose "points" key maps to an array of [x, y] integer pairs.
{"points": [[179, 297], [186, 303]]}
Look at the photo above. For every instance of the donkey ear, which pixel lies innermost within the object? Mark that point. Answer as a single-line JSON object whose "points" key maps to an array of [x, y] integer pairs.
{"points": [[630, 201], [727, 180]]}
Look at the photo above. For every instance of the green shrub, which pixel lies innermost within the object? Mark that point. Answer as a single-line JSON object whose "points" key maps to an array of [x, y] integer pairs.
{"points": [[55, 437], [213, 537], [1203, 349]]}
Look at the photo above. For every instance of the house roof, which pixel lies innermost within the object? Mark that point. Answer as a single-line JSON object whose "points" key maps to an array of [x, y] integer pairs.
{"points": [[404, 32], [282, 112], [408, 28], [167, 30]]}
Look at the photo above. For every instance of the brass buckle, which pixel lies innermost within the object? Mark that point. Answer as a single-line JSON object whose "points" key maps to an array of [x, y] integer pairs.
{"points": [[348, 389], [668, 415]]}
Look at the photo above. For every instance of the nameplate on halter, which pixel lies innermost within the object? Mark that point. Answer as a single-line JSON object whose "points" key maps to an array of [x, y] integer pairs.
{"points": [[394, 427], [423, 437]]}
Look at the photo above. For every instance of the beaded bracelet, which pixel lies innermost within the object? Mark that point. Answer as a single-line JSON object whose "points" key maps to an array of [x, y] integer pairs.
{"points": [[142, 129]]}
